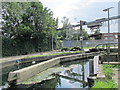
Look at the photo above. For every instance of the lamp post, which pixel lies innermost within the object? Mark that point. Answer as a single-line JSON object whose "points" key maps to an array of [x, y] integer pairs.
{"points": [[119, 32], [108, 10], [52, 41], [81, 32]]}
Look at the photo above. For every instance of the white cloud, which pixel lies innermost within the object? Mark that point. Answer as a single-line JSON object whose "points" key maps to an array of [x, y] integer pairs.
{"points": [[62, 7], [113, 26], [76, 10]]}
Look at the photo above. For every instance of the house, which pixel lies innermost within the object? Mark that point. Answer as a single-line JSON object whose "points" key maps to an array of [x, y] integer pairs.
{"points": [[104, 36], [110, 36], [95, 36]]}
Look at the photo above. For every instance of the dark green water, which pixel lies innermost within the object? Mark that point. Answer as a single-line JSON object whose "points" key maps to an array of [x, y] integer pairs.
{"points": [[75, 77], [5, 72]]}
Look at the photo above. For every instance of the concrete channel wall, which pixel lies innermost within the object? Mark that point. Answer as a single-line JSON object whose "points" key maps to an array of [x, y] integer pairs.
{"points": [[7, 62], [110, 58], [28, 72], [25, 73]]}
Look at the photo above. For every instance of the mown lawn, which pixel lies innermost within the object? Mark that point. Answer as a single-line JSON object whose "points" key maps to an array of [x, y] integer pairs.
{"points": [[104, 84], [108, 82]]}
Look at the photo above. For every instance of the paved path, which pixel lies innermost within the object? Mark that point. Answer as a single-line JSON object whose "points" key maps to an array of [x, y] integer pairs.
{"points": [[116, 77], [100, 75], [7, 59], [22, 56]]}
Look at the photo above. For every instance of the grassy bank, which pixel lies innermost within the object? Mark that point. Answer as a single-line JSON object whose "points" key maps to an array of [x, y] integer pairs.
{"points": [[60, 53], [107, 69], [108, 82], [104, 84]]}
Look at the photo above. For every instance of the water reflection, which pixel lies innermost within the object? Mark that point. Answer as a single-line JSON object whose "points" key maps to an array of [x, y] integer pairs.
{"points": [[5, 72], [74, 77]]}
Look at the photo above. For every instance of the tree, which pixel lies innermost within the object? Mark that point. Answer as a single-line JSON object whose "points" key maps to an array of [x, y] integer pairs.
{"points": [[28, 26], [76, 34], [97, 35], [85, 35], [64, 33], [69, 33], [65, 22]]}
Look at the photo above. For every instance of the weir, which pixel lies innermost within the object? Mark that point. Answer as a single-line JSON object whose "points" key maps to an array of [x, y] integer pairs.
{"points": [[25, 73]]}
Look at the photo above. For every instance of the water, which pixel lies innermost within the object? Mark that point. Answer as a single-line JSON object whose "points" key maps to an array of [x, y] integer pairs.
{"points": [[75, 76], [5, 72]]}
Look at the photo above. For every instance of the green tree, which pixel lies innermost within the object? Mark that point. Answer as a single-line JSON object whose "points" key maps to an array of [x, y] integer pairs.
{"points": [[63, 34], [76, 34], [85, 35], [27, 27], [97, 35]]}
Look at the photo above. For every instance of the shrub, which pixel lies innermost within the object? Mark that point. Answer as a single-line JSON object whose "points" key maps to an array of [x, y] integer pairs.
{"points": [[93, 50], [75, 49], [65, 49]]}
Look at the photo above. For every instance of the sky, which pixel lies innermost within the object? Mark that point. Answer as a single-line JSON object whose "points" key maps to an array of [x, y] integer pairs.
{"points": [[86, 10]]}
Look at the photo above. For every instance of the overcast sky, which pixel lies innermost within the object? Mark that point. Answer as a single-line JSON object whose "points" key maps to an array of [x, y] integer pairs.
{"points": [[87, 10]]}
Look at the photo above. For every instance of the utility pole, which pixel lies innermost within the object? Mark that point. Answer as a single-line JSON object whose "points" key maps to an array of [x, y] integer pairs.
{"points": [[119, 31], [81, 33], [77, 37], [52, 41], [108, 10]]}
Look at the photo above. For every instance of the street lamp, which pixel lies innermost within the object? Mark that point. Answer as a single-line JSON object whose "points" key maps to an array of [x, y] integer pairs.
{"points": [[81, 32], [52, 41], [108, 10]]}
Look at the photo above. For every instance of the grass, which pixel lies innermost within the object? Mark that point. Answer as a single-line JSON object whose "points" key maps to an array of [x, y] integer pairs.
{"points": [[116, 66], [111, 66], [88, 47], [104, 84], [51, 54], [108, 82], [107, 69]]}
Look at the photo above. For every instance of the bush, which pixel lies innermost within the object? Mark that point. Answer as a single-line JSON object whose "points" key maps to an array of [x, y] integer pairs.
{"points": [[93, 50], [65, 49], [75, 49]]}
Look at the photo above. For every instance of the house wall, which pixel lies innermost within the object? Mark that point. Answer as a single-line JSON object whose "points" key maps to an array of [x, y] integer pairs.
{"points": [[111, 35]]}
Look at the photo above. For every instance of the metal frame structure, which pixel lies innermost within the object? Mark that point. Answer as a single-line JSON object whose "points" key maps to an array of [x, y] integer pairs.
{"points": [[94, 24], [98, 21]]}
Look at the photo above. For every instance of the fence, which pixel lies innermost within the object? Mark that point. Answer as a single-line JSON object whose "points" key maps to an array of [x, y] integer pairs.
{"points": [[85, 43]]}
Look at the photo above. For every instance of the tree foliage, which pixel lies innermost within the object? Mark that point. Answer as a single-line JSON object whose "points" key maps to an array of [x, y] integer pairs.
{"points": [[76, 34], [27, 27], [98, 35], [64, 34], [68, 33]]}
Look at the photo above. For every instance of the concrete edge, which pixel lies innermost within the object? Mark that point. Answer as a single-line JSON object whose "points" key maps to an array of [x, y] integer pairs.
{"points": [[25, 73]]}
